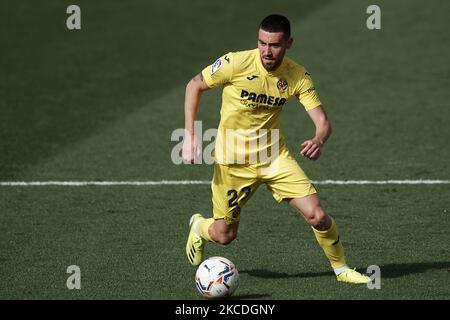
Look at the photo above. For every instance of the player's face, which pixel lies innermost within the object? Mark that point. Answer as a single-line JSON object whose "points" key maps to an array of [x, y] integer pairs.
{"points": [[272, 47]]}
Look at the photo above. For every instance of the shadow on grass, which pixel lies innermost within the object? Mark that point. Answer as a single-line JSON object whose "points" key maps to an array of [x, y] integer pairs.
{"points": [[267, 274], [391, 270], [395, 270]]}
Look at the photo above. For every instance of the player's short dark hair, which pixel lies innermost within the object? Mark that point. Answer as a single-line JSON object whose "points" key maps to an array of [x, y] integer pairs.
{"points": [[276, 23]]}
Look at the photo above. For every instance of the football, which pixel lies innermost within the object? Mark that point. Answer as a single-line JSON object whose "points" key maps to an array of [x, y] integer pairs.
{"points": [[216, 277]]}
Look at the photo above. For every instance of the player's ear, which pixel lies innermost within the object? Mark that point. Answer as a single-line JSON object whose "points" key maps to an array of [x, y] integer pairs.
{"points": [[290, 41]]}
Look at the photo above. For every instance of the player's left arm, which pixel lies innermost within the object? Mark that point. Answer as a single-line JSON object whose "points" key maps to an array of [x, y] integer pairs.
{"points": [[312, 148]]}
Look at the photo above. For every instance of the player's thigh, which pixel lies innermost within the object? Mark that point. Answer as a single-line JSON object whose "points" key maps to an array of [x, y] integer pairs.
{"points": [[232, 187], [288, 180]]}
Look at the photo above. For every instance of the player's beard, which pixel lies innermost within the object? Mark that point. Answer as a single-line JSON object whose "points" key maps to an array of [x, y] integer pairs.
{"points": [[271, 64]]}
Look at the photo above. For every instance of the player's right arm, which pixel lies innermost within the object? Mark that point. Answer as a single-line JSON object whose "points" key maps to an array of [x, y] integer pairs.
{"points": [[194, 90], [219, 73]]}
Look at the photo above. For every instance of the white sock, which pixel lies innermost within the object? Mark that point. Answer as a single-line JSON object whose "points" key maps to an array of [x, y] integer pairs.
{"points": [[339, 270]]}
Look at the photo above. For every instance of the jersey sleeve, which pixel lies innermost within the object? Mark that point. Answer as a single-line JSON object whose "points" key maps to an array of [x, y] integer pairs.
{"points": [[220, 72], [306, 92]]}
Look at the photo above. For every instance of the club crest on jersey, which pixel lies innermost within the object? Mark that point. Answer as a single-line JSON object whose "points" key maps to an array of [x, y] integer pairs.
{"points": [[216, 66], [282, 85]]}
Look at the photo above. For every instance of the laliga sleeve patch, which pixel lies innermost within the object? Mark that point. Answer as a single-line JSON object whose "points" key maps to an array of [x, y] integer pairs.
{"points": [[216, 66]]}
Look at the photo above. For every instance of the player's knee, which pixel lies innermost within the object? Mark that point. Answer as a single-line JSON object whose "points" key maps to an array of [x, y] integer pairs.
{"points": [[225, 240], [223, 233], [318, 219], [226, 237]]}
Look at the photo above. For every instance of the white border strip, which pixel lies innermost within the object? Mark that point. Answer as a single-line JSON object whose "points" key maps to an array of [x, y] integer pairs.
{"points": [[201, 182]]}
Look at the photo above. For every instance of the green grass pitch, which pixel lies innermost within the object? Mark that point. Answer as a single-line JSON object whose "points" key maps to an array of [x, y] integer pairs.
{"points": [[101, 103]]}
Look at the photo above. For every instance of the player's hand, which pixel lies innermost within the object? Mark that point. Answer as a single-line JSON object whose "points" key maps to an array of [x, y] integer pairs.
{"points": [[311, 149], [191, 149]]}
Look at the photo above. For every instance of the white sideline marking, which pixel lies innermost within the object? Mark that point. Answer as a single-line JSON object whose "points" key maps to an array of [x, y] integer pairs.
{"points": [[201, 182]]}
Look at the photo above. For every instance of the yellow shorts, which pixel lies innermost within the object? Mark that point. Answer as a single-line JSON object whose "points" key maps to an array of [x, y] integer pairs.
{"points": [[233, 185]]}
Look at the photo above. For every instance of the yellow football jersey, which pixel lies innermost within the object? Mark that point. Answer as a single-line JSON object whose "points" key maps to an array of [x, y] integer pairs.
{"points": [[252, 101]]}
